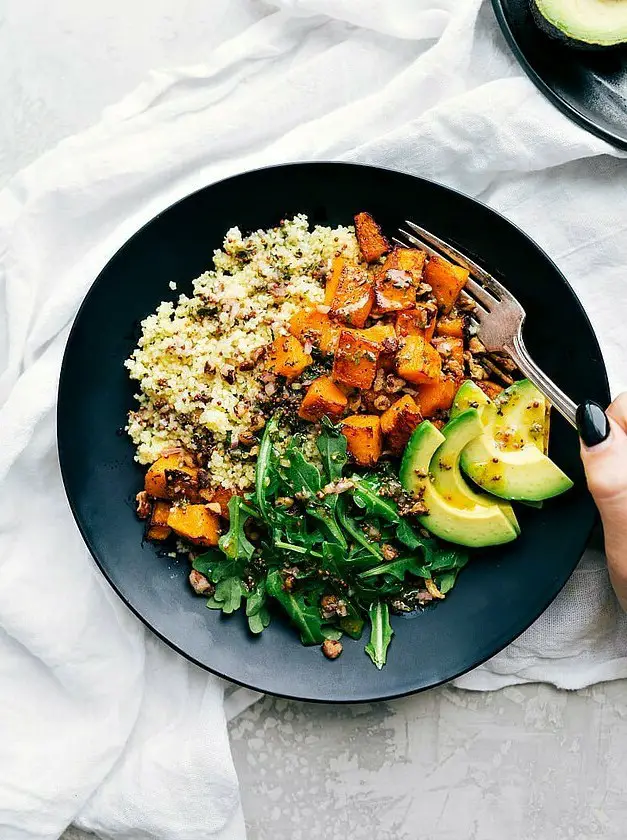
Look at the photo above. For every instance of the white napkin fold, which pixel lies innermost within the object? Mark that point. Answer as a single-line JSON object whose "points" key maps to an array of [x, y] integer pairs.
{"points": [[100, 723]]}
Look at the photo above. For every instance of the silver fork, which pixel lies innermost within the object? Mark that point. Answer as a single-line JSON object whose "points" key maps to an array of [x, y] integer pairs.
{"points": [[499, 317]]}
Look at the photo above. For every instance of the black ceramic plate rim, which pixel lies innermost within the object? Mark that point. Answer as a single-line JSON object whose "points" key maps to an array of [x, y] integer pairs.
{"points": [[567, 108], [503, 642]]}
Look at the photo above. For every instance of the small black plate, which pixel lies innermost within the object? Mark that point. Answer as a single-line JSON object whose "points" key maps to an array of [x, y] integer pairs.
{"points": [[589, 86], [501, 592]]}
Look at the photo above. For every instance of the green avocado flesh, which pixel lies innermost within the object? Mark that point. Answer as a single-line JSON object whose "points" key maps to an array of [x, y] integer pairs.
{"points": [[474, 526], [594, 23], [446, 474], [509, 459]]}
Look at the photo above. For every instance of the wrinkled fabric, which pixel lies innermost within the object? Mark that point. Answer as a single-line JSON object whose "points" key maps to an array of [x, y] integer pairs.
{"points": [[100, 723]]}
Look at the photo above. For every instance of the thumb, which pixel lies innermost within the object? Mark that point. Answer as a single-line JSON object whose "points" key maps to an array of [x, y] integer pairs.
{"points": [[604, 455]]}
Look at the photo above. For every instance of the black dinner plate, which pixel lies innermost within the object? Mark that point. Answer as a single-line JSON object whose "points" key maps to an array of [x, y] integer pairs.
{"points": [[589, 86], [498, 596]]}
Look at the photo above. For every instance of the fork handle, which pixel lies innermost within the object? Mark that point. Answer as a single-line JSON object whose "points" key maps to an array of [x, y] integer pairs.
{"points": [[566, 407]]}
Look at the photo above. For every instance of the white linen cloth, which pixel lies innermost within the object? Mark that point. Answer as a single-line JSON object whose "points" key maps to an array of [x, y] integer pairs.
{"points": [[99, 722]]}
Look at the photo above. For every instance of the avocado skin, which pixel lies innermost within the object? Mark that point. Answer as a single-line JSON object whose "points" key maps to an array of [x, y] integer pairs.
{"points": [[557, 35]]}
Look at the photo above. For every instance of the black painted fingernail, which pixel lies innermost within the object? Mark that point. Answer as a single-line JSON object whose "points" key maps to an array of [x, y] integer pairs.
{"points": [[592, 423]]}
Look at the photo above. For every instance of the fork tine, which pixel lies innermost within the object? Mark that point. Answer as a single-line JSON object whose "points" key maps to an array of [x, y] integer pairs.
{"points": [[477, 292], [457, 257]]}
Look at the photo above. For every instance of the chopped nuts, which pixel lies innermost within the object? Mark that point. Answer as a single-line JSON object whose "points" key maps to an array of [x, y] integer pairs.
{"points": [[285, 501], [382, 402], [389, 552], [331, 606], [331, 648], [200, 584], [144, 505]]}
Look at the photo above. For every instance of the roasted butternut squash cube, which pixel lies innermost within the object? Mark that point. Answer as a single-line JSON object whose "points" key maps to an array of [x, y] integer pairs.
{"points": [[172, 476], [450, 327], [308, 324], [372, 243], [355, 361], [353, 297], [364, 440], [399, 421], [317, 327], [287, 357], [397, 280], [446, 281], [418, 321], [380, 333], [158, 528], [436, 397], [418, 361], [195, 523], [337, 267], [323, 399]]}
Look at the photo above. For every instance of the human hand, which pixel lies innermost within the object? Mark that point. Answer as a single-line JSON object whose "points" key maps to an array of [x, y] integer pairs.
{"points": [[604, 455]]}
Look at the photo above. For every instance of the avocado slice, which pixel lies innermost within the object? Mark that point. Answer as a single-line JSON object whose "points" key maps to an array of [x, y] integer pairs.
{"points": [[468, 396], [444, 468], [585, 23], [509, 460], [477, 526]]}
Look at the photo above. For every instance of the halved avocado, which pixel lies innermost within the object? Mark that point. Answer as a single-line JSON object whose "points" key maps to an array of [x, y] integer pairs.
{"points": [[521, 416], [446, 475], [477, 526], [583, 23]]}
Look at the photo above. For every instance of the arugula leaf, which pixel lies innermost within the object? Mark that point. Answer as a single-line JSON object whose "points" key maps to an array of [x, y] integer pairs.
{"points": [[264, 471], [380, 633], [235, 543], [366, 496], [398, 569], [351, 527], [331, 444], [256, 608], [352, 624], [406, 534], [302, 476], [333, 633], [228, 595], [443, 559], [306, 617], [445, 582], [207, 562]]}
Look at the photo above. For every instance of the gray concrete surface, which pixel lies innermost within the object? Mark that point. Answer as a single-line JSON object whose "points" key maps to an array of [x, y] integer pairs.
{"points": [[523, 764]]}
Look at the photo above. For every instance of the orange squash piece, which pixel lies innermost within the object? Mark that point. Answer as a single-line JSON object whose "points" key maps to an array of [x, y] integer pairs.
{"points": [[337, 267], [353, 297], [308, 324], [399, 421], [160, 480], [450, 327], [396, 281], [159, 528], [287, 357], [323, 399], [419, 321], [372, 243], [363, 438], [446, 281], [355, 361], [417, 361], [196, 524], [436, 397]]}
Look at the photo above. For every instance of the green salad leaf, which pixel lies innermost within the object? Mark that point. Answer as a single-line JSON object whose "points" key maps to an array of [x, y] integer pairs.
{"points": [[256, 608], [306, 617], [228, 595], [331, 445], [398, 569], [380, 633]]}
